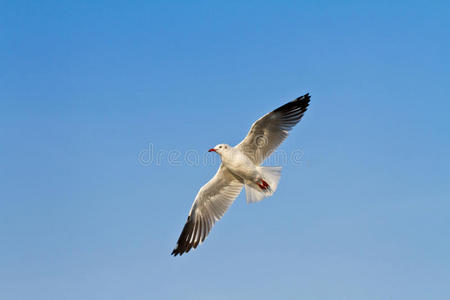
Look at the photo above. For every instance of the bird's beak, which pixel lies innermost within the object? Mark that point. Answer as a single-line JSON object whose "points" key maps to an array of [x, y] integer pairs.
{"points": [[212, 150]]}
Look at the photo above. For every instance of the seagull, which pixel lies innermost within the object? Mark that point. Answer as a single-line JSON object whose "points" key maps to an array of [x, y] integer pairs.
{"points": [[241, 166]]}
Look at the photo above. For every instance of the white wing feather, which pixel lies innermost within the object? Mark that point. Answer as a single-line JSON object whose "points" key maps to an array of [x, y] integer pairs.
{"points": [[268, 132], [210, 204], [215, 197]]}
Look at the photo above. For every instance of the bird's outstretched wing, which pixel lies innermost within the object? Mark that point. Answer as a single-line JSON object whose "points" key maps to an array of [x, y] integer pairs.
{"points": [[267, 133], [210, 204]]}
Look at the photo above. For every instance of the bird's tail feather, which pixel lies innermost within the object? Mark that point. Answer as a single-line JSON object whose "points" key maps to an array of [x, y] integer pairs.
{"points": [[269, 174]]}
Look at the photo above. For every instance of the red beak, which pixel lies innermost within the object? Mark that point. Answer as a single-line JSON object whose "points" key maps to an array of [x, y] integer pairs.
{"points": [[211, 150]]}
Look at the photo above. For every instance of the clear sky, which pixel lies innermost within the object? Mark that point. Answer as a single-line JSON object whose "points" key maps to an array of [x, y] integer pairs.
{"points": [[88, 88]]}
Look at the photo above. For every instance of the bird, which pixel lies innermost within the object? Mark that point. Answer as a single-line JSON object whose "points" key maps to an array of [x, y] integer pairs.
{"points": [[241, 167]]}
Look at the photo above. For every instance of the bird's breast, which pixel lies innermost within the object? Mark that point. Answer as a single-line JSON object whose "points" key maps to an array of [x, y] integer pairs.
{"points": [[240, 165]]}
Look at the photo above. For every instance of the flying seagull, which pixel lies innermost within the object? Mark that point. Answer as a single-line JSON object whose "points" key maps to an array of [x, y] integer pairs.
{"points": [[241, 166]]}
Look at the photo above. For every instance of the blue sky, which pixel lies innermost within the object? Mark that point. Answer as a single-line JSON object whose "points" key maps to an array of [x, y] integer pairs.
{"points": [[86, 86]]}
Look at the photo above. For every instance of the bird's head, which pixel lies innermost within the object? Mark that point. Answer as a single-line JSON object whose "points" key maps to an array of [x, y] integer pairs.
{"points": [[220, 149]]}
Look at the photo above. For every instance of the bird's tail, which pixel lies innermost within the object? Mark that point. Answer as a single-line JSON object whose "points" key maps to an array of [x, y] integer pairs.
{"points": [[268, 186]]}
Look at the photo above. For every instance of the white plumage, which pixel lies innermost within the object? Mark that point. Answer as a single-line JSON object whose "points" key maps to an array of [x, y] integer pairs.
{"points": [[241, 167]]}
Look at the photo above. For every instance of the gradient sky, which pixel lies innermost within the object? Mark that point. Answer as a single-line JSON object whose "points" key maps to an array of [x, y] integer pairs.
{"points": [[86, 86]]}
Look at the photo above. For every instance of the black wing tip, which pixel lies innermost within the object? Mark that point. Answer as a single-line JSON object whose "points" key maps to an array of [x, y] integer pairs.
{"points": [[176, 252], [183, 246], [183, 249], [303, 99], [179, 250], [301, 103]]}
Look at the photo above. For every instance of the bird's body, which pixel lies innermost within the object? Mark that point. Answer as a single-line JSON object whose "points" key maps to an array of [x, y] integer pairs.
{"points": [[241, 166]]}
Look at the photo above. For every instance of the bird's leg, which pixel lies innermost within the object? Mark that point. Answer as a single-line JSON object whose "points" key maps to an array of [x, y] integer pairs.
{"points": [[263, 185]]}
